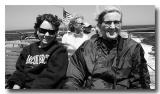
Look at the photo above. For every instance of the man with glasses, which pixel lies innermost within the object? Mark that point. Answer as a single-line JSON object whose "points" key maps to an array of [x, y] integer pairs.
{"points": [[108, 61], [41, 65]]}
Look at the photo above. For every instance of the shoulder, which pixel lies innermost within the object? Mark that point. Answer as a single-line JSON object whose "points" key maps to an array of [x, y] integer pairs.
{"points": [[85, 36], [130, 42], [89, 43], [60, 46], [58, 49], [67, 35]]}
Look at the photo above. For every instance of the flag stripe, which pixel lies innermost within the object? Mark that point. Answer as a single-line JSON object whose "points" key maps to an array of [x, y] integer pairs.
{"points": [[66, 17]]}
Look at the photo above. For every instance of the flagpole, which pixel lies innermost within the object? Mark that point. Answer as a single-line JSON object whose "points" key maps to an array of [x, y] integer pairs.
{"points": [[62, 14], [97, 9], [63, 23]]}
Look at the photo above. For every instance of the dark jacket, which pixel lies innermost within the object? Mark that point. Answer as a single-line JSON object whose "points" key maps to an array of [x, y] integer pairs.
{"points": [[42, 68], [101, 64]]}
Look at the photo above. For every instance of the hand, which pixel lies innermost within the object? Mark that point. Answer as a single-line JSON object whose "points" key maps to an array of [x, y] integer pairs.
{"points": [[16, 86]]}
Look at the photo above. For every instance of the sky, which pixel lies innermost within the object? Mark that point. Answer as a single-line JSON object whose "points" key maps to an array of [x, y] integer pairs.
{"points": [[23, 16]]}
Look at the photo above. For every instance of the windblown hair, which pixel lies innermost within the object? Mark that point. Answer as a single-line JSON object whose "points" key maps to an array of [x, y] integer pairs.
{"points": [[53, 19], [72, 22], [110, 9]]}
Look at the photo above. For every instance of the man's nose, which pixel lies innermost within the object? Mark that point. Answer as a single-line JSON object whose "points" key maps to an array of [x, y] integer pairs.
{"points": [[112, 25], [46, 34]]}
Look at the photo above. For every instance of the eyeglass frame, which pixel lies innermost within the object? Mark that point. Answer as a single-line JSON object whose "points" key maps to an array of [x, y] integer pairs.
{"points": [[44, 31], [110, 22]]}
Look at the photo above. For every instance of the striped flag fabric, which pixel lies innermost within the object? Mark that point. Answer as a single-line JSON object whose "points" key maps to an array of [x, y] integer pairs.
{"points": [[66, 17]]}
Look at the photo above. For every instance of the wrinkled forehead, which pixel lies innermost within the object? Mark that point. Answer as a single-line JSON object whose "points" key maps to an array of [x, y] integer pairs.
{"points": [[46, 25], [112, 16]]}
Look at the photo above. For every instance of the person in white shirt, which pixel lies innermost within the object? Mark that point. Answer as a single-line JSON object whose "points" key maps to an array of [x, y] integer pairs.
{"points": [[75, 37]]}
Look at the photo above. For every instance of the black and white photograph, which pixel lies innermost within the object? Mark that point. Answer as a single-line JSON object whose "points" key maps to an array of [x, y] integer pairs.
{"points": [[80, 47]]}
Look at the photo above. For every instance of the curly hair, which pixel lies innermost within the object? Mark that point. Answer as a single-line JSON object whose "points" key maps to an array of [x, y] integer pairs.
{"points": [[53, 19], [72, 22], [100, 18]]}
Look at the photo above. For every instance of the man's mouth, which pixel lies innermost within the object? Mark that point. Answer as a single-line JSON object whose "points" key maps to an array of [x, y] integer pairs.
{"points": [[112, 32]]}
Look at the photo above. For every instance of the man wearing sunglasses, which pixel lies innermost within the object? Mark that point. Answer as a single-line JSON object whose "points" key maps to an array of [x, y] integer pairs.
{"points": [[41, 65], [108, 61]]}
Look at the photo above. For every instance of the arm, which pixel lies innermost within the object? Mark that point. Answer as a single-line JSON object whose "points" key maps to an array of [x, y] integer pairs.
{"points": [[75, 72], [18, 76], [141, 77], [78, 71], [55, 72]]}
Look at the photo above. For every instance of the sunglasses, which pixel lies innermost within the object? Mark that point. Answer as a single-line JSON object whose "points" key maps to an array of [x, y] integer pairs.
{"points": [[79, 23], [109, 22], [44, 31]]}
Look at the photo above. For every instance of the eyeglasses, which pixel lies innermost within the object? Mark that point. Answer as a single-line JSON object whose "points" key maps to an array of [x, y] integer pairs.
{"points": [[110, 22], [79, 23], [44, 31]]}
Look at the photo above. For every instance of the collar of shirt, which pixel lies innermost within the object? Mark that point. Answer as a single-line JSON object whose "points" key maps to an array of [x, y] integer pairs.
{"points": [[78, 35]]}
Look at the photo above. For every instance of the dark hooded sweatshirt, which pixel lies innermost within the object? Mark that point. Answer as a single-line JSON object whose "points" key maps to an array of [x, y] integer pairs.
{"points": [[40, 68]]}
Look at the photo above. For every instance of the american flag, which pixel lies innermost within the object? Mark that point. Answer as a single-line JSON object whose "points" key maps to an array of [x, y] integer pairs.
{"points": [[66, 17]]}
